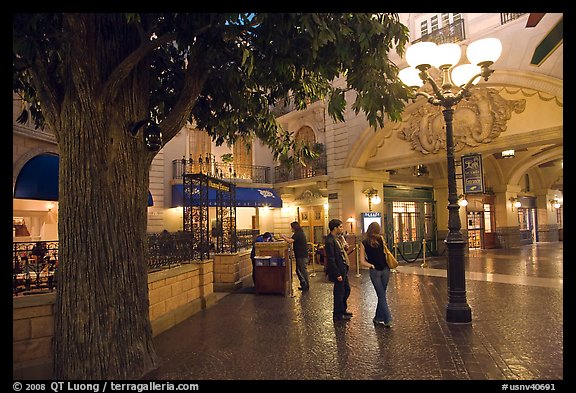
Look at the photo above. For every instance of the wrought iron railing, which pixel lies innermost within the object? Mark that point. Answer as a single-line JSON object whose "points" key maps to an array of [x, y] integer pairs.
{"points": [[508, 17], [255, 173], [34, 266], [284, 172], [453, 32], [168, 250], [36, 271]]}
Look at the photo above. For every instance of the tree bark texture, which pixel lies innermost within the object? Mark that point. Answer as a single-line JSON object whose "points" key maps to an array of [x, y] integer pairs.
{"points": [[102, 325]]}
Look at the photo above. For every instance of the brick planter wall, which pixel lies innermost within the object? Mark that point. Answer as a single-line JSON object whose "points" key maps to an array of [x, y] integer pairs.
{"points": [[174, 294], [231, 271]]}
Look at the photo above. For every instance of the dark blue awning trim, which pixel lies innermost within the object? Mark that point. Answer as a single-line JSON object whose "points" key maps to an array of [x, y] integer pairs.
{"points": [[38, 179], [245, 197]]}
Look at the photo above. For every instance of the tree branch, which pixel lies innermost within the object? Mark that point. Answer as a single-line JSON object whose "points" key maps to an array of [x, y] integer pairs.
{"points": [[192, 86], [120, 73]]}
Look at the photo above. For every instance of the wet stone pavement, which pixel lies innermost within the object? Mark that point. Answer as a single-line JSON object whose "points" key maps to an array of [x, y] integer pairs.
{"points": [[516, 298]]}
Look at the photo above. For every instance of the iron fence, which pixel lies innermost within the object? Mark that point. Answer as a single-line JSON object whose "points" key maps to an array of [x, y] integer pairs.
{"points": [[284, 172], [255, 173], [35, 264], [453, 32], [508, 16]]}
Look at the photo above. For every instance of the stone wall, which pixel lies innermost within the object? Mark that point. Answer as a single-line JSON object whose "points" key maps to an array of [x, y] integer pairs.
{"points": [[231, 271], [548, 233], [508, 237], [174, 294]]}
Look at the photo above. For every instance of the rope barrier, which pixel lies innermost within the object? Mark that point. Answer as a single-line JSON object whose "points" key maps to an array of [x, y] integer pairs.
{"points": [[403, 257], [433, 253]]}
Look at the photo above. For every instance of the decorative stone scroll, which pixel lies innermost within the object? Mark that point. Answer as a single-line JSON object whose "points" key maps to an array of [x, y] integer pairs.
{"points": [[479, 119]]}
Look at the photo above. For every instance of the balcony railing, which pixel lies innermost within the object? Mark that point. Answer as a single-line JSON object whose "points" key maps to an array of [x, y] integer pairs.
{"points": [[508, 17], [450, 33], [255, 173], [34, 268], [318, 167]]}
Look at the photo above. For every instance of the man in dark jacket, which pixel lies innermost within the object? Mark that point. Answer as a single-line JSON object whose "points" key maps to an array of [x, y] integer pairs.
{"points": [[337, 270], [300, 245]]}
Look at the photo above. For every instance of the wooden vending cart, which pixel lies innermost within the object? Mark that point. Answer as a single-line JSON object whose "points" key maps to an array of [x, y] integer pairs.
{"points": [[272, 268]]}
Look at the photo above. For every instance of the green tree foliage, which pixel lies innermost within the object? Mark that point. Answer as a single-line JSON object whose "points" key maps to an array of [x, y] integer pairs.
{"points": [[248, 62]]}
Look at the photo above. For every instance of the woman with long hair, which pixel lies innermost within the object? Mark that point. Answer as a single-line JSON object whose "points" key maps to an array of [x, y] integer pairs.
{"points": [[372, 256]]}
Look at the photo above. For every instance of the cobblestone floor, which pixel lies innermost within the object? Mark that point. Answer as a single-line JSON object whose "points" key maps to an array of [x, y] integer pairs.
{"points": [[516, 298]]}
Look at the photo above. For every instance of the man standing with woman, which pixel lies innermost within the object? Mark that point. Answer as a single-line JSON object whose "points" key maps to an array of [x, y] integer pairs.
{"points": [[337, 270], [372, 255]]}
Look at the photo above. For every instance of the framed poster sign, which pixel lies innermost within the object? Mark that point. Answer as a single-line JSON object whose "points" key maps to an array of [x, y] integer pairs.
{"points": [[472, 174], [370, 217]]}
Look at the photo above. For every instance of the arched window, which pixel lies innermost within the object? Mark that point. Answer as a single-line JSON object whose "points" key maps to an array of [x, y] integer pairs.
{"points": [[306, 135]]}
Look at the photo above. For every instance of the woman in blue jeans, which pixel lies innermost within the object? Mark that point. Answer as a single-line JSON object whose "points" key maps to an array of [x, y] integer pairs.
{"points": [[373, 256]]}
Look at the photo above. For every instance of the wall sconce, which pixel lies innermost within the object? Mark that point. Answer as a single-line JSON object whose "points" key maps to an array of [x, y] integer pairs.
{"points": [[515, 202], [508, 154], [373, 198], [462, 200], [420, 170], [555, 203], [351, 220]]}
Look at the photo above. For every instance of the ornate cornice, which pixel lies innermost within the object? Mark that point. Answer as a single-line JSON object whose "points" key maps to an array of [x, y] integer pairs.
{"points": [[478, 120], [43, 135]]}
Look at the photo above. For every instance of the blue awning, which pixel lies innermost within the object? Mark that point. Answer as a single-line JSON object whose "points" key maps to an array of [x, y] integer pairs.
{"points": [[38, 179], [245, 197], [257, 197]]}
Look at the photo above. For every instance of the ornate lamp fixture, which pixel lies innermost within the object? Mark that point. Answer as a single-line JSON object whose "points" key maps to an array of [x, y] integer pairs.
{"points": [[456, 84], [515, 202], [351, 220], [555, 203], [508, 153], [373, 198]]}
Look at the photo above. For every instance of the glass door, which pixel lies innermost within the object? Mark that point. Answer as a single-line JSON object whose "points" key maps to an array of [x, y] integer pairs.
{"points": [[475, 221]]}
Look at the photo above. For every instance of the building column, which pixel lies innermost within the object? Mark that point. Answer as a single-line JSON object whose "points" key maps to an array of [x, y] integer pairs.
{"points": [[441, 198], [506, 215], [546, 212], [351, 202]]}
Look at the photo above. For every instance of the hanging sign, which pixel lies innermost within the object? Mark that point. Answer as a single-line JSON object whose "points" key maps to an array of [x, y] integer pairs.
{"points": [[370, 217], [472, 174]]}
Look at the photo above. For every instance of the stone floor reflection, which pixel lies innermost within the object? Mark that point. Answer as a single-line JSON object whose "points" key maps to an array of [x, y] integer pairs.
{"points": [[271, 337]]}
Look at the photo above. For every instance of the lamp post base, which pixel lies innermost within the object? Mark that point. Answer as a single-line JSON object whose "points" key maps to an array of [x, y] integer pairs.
{"points": [[457, 310], [458, 313]]}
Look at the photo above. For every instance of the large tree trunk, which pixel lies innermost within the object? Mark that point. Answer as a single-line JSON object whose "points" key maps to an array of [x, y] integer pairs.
{"points": [[102, 325]]}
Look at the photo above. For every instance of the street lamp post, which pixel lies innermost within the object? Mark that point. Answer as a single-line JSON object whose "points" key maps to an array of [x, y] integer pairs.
{"points": [[421, 57]]}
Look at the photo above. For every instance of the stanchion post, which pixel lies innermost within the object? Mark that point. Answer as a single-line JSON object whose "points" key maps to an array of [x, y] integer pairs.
{"points": [[395, 247], [424, 263], [357, 261], [313, 274], [290, 263]]}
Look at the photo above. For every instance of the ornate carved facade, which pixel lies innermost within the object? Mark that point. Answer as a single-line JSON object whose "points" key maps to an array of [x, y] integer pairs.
{"points": [[478, 120]]}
